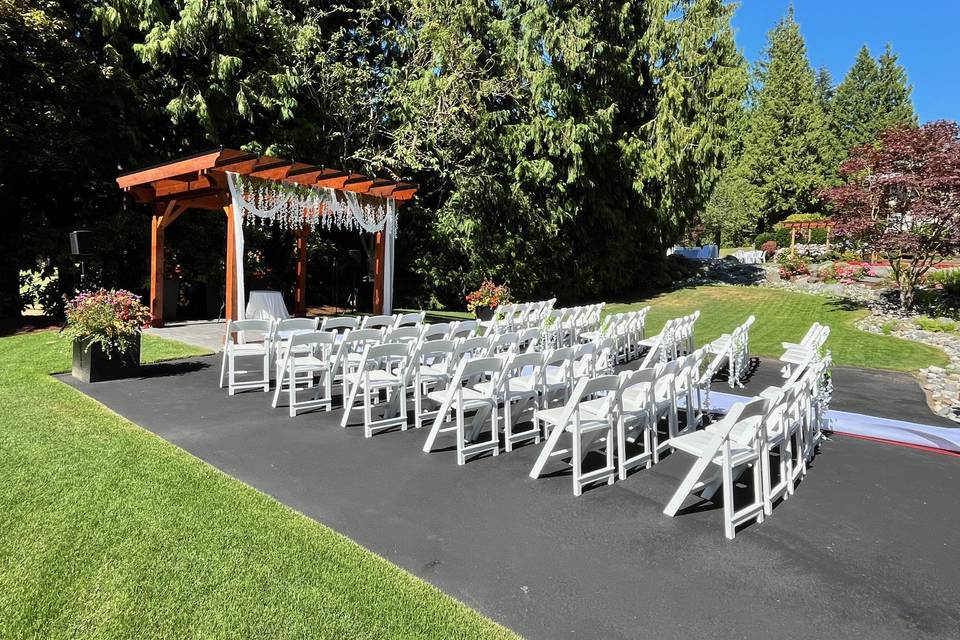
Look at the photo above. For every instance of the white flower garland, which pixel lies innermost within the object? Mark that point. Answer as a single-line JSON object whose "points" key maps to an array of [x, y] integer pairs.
{"points": [[291, 206]]}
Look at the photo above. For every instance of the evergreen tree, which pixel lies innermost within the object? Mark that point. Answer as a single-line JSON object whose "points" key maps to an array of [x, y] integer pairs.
{"points": [[787, 149], [825, 88], [873, 96], [894, 105]]}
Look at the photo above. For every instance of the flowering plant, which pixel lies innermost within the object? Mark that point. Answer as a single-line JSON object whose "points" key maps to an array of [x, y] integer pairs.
{"points": [[489, 295], [792, 266], [111, 319], [846, 273]]}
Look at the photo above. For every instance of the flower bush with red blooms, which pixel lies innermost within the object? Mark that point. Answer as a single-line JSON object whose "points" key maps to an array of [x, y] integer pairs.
{"points": [[111, 319], [489, 295], [846, 273], [769, 247]]}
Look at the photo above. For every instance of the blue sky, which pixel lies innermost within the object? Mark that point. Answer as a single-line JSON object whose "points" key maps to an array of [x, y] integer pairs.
{"points": [[924, 33]]}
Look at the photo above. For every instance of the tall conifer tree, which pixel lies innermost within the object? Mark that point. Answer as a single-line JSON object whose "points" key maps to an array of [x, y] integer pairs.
{"points": [[787, 150]]}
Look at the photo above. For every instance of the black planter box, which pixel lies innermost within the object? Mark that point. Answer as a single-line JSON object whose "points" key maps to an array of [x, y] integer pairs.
{"points": [[484, 313], [93, 365]]}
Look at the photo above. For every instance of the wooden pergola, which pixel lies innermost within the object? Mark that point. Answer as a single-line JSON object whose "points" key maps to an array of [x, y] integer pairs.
{"points": [[199, 181], [808, 226]]}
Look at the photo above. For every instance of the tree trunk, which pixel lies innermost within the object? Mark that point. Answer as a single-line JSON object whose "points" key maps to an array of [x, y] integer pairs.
{"points": [[906, 293]]}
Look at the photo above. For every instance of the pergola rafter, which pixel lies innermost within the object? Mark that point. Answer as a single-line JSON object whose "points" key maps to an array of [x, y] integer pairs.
{"points": [[199, 181]]}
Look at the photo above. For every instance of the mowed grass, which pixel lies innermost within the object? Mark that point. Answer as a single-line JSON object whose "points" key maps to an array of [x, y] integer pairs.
{"points": [[107, 531], [784, 316]]}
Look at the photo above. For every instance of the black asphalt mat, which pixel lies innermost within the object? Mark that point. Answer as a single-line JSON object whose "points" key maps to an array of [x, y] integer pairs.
{"points": [[867, 548]]}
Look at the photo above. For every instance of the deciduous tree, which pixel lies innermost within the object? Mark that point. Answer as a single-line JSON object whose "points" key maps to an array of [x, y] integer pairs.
{"points": [[902, 197]]}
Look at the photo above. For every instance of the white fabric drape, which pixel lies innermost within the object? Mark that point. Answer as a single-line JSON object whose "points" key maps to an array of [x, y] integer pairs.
{"points": [[317, 206], [389, 232]]}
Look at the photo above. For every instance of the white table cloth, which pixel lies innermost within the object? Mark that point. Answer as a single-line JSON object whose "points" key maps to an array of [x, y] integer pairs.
{"points": [[266, 305]]}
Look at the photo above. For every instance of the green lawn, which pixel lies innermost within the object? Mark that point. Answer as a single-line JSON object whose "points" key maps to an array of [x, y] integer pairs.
{"points": [[785, 316], [107, 531]]}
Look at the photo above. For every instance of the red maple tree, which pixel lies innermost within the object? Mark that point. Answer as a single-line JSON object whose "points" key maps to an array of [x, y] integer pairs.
{"points": [[901, 198]]}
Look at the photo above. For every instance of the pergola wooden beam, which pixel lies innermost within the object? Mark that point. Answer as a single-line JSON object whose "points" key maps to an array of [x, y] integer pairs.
{"points": [[199, 181]]}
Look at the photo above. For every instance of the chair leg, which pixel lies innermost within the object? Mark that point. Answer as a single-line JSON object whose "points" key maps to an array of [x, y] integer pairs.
{"points": [[266, 371], [348, 403], [577, 462], [728, 509], [367, 414], [223, 364], [231, 375], [461, 436]]}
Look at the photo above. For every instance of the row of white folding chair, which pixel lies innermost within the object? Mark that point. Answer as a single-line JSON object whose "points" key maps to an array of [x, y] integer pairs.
{"points": [[563, 327], [675, 339], [627, 329], [532, 380], [632, 408], [730, 349], [810, 347], [516, 316], [783, 419]]}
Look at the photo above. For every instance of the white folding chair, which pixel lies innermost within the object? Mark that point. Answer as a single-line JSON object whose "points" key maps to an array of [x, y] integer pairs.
{"points": [[503, 343], [246, 348], [518, 389], [588, 418], [637, 420], [381, 372], [307, 355], [732, 445], [464, 329], [529, 340], [407, 335], [340, 325], [283, 330], [431, 367], [461, 397]]}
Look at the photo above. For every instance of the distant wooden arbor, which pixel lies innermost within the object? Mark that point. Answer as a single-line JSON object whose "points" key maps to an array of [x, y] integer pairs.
{"points": [[201, 181], [808, 226]]}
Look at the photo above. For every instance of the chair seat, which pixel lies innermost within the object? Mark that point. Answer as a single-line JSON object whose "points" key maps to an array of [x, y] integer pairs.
{"points": [[588, 412], [374, 379], [248, 349], [649, 342], [720, 344], [308, 363], [697, 443], [472, 398], [430, 373]]}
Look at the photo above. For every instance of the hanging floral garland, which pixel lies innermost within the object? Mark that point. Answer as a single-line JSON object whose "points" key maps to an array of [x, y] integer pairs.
{"points": [[290, 206]]}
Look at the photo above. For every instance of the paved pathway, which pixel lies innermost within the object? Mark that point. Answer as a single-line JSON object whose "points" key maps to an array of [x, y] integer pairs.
{"points": [[867, 548]]}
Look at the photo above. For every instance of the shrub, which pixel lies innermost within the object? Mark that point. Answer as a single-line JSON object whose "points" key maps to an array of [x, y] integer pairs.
{"points": [[805, 217], [792, 266], [761, 239], [769, 247], [111, 319], [946, 279], [782, 235], [845, 273], [936, 325]]}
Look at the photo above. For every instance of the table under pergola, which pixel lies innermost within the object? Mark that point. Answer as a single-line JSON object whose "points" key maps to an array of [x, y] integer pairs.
{"points": [[251, 188]]}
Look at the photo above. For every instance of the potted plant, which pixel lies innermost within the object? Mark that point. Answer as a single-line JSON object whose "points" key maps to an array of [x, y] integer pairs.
{"points": [[485, 300], [105, 328]]}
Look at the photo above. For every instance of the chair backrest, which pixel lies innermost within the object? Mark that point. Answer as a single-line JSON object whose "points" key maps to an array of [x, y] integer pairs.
{"points": [[320, 338], [586, 389], [439, 331], [523, 365], [529, 339], [377, 322], [473, 347], [410, 319], [356, 341], [244, 327], [478, 369], [503, 342], [339, 325], [296, 324], [410, 334], [465, 329]]}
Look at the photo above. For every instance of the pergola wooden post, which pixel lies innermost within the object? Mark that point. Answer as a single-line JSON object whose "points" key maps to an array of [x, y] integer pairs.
{"points": [[379, 254], [163, 216], [199, 181]]}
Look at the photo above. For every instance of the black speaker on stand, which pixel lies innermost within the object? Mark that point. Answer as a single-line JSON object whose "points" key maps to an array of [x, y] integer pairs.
{"points": [[81, 246]]}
